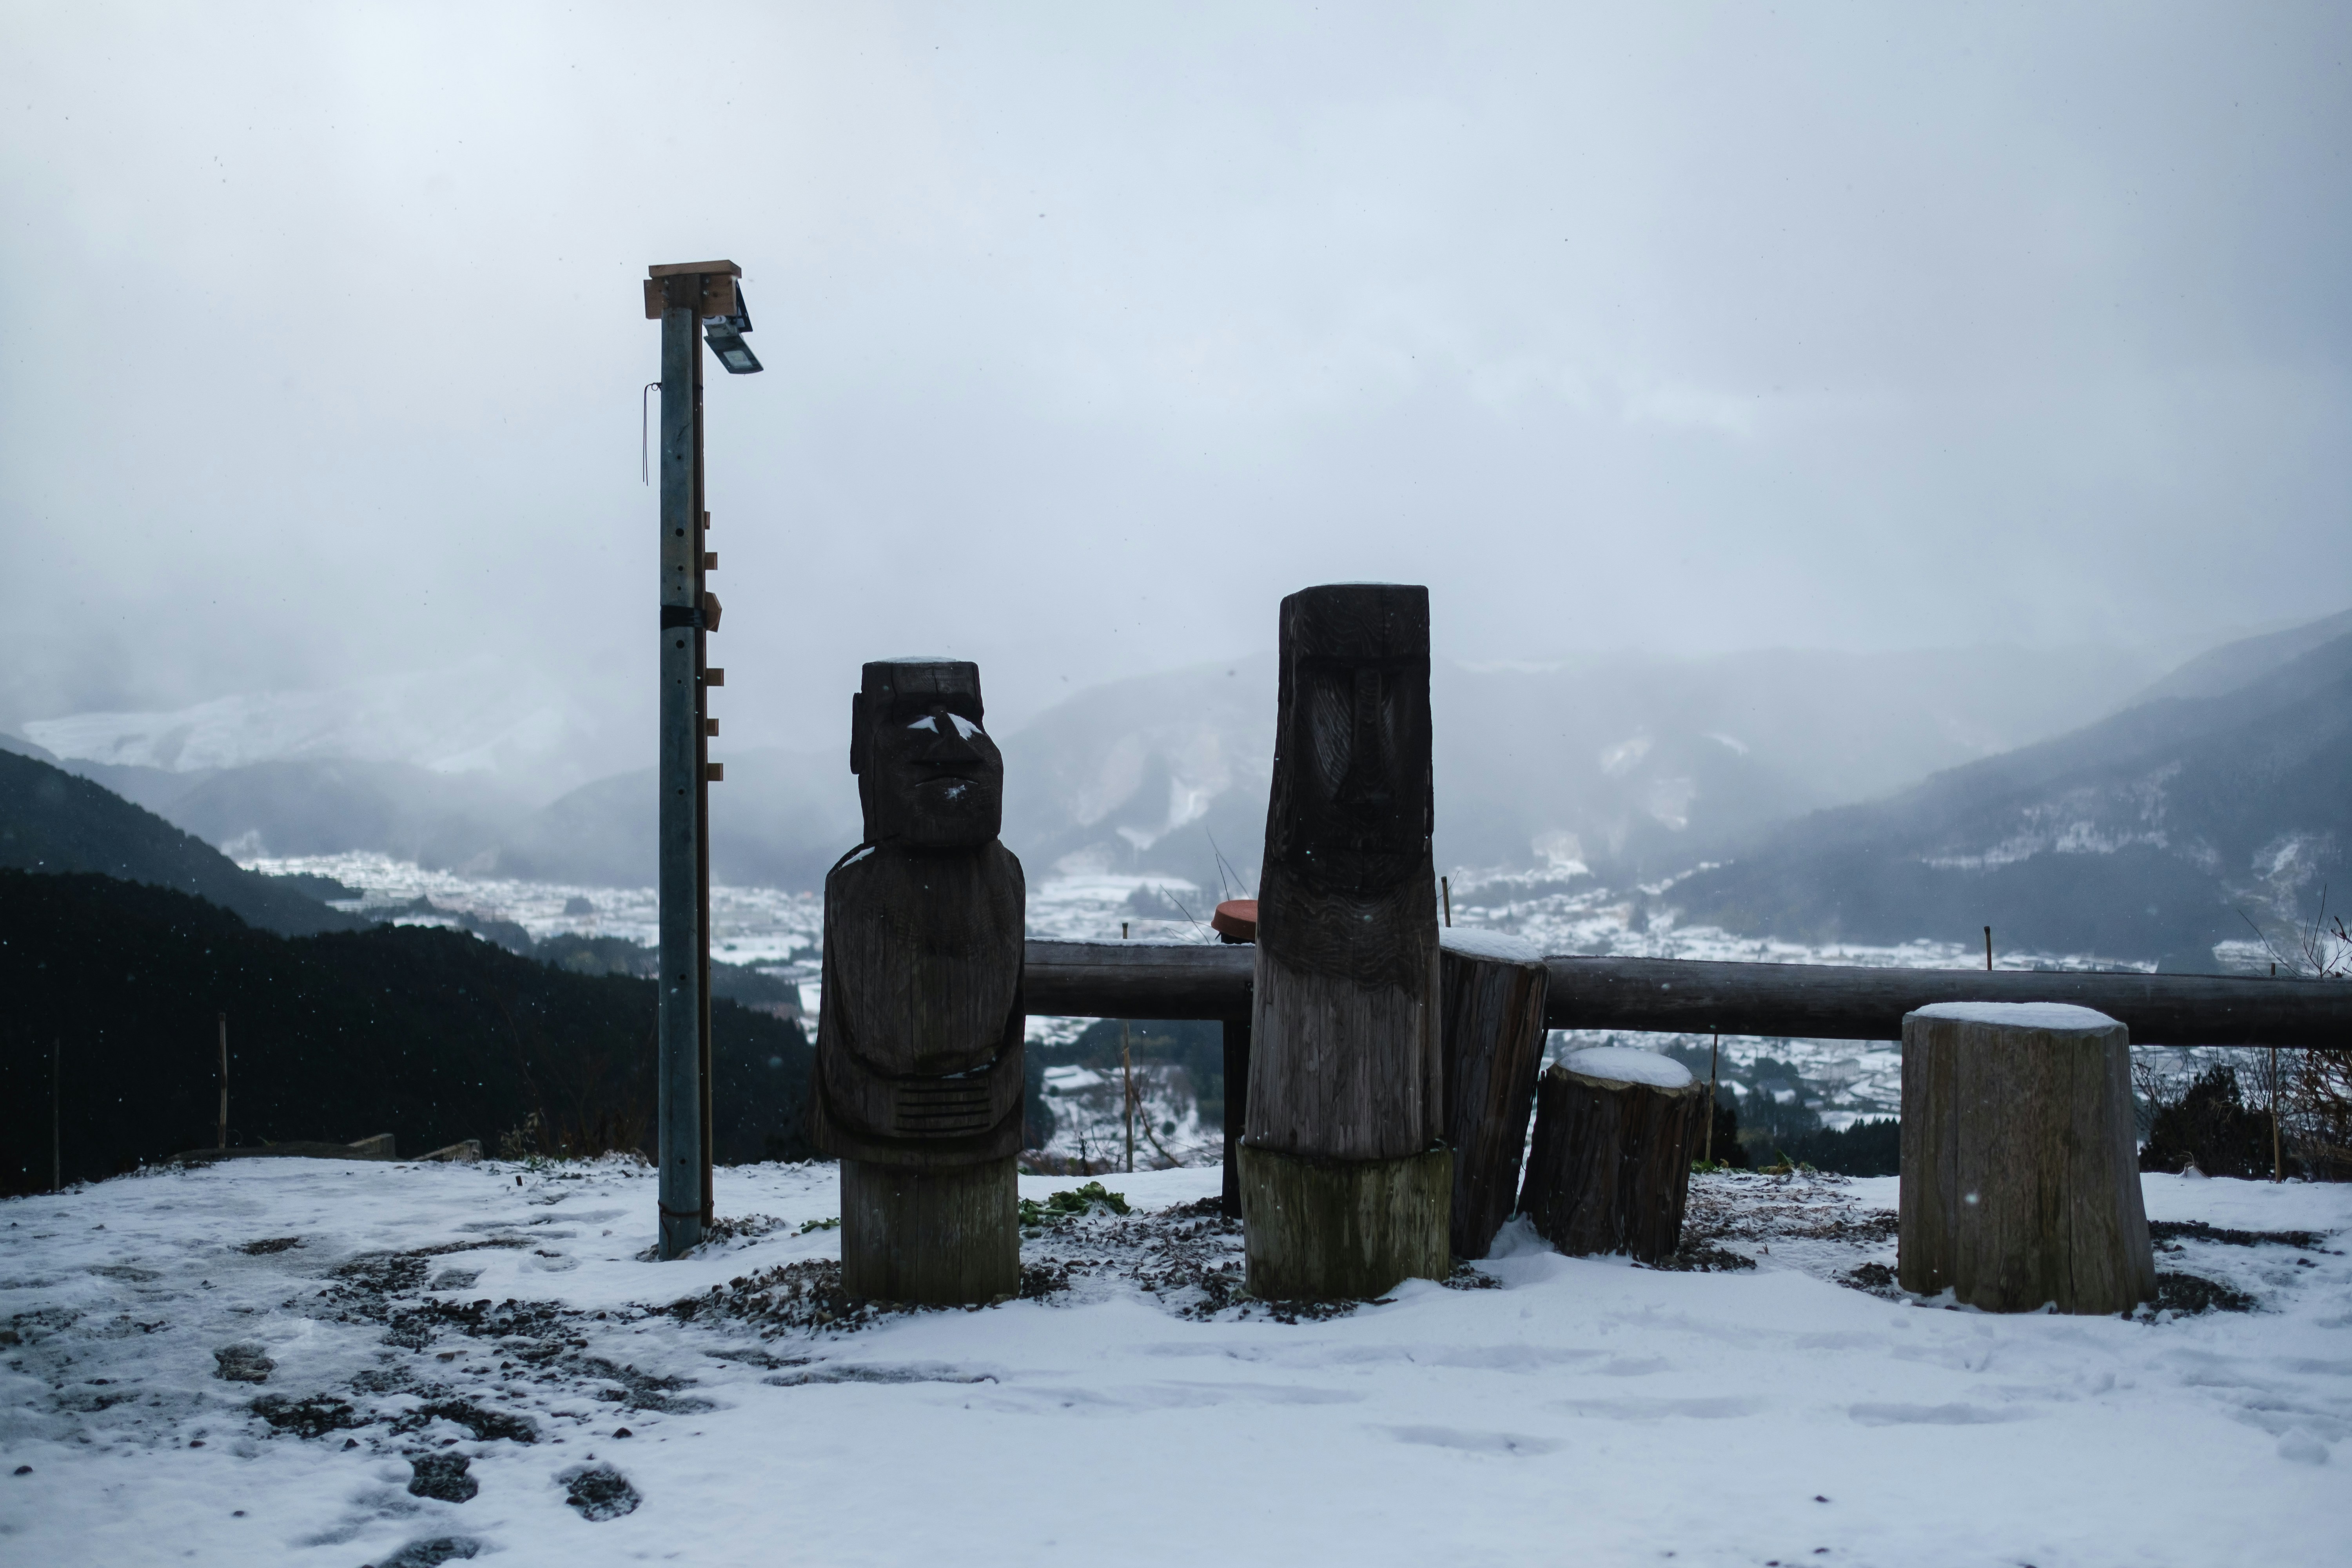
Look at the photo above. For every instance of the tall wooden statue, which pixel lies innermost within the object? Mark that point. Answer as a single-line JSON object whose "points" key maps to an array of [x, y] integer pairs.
{"points": [[917, 1082], [1345, 1184]]}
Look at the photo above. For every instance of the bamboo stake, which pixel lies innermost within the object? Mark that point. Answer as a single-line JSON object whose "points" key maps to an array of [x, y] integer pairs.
{"points": [[1126, 1083], [223, 1143], [57, 1148], [2278, 1159], [1713, 1052]]}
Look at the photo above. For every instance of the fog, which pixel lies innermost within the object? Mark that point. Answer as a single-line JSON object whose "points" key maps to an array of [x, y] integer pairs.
{"points": [[1090, 331]]}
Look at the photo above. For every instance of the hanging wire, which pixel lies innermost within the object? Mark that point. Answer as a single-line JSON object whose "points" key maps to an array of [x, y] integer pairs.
{"points": [[644, 431]]}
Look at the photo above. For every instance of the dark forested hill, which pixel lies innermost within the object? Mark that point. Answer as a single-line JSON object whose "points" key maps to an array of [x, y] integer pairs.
{"points": [[430, 1034], [2152, 834], [51, 820]]}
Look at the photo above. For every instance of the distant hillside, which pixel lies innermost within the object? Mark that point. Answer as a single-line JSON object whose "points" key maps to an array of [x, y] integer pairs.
{"points": [[2142, 836], [780, 819], [429, 1035], [52, 821]]}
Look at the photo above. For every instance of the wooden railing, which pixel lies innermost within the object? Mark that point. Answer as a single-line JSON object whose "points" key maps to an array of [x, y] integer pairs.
{"points": [[1816, 1001]]}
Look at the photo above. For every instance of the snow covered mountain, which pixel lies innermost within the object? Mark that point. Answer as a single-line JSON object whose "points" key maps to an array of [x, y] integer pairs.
{"points": [[2216, 803]]}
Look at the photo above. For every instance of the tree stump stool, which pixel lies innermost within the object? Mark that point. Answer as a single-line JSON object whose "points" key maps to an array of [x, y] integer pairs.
{"points": [[1345, 1176], [1610, 1170], [1491, 1007], [2020, 1176]]}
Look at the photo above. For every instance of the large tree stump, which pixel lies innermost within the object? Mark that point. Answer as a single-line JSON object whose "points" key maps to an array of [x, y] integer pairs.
{"points": [[917, 1088], [1609, 1169], [1491, 989], [1345, 1074], [2020, 1181]]}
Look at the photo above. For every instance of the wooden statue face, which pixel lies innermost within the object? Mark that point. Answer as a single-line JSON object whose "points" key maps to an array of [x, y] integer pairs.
{"points": [[1356, 731], [927, 774]]}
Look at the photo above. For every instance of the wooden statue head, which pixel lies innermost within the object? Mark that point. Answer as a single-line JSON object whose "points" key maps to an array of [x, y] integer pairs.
{"points": [[927, 774], [1351, 813]]}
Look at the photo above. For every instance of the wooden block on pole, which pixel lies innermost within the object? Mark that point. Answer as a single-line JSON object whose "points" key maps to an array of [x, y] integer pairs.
{"points": [[2020, 1176], [1492, 990], [1610, 1167], [1345, 1086]]}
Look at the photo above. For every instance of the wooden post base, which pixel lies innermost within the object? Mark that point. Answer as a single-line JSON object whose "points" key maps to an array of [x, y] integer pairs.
{"points": [[1343, 1229], [1610, 1167], [2020, 1176], [935, 1239]]}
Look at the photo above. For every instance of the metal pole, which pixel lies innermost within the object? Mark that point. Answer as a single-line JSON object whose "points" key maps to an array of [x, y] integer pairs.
{"points": [[701, 801], [679, 1025], [57, 1092], [224, 1105]]}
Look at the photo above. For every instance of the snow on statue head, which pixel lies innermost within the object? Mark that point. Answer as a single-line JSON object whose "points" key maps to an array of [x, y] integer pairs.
{"points": [[927, 774]]}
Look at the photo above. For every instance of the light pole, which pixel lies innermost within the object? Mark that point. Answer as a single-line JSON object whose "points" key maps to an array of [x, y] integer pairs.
{"points": [[686, 298]]}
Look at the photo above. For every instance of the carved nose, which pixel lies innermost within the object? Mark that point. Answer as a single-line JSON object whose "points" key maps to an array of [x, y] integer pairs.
{"points": [[951, 746]]}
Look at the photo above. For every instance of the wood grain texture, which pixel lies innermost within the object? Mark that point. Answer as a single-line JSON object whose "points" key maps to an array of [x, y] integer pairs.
{"points": [[2020, 1177], [1841, 1001], [919, 1027], [1342, 1229], [938, 1238], [1492, 1031], [1342, 1072], [1610, 1167], [1344, 1058], [1819, 1001]]}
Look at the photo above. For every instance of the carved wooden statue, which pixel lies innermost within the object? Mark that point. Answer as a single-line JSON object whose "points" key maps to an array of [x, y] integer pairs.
{"points": [[917, 1088], [1345, 1187]]}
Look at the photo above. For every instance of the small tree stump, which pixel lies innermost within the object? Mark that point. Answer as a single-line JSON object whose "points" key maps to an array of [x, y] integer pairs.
{"points": [[2021, 1179], [1610, 1170], [1491, 1007], [936, 1238]]}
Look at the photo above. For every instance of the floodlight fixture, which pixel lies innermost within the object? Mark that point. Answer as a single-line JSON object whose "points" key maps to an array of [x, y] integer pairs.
{"points": [[725, 336]]}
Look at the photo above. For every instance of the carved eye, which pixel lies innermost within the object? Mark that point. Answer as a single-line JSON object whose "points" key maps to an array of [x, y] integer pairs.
{"points": [[1331, 725]]}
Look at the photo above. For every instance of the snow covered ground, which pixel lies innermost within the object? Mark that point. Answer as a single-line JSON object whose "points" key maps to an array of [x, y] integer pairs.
{"points": [[1131, 1408]]}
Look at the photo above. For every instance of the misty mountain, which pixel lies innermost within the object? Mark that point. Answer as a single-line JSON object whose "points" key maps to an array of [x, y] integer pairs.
{"points": [[2151, 834], [51, 820], [325, 806], [779, 819], [1629, 765]]}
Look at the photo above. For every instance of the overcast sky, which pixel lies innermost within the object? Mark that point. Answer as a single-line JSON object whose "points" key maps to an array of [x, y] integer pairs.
{"points": [[1092, 330]]}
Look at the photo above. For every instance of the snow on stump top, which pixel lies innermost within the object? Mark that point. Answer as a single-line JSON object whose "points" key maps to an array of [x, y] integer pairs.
{"points": [[1623, 1064], [2057, 1016], [2020, 1177], [1494, 945]]}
